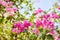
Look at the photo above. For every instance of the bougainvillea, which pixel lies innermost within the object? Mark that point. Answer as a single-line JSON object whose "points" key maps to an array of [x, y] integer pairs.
{"points": [[19, 20]]}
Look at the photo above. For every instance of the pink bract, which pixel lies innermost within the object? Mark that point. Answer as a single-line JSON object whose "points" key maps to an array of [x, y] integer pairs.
{"points": [[55, 15], [10, 3], [27, 24], [9, 9], [5, 4], [0, 2], [59, 7], [15, 9], [45, 24], [36, 31], [38, 23], [53, 32], [39, 10]]}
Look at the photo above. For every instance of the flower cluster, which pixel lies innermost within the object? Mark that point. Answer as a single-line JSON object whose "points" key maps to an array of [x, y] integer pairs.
{"points": [[38, 11], [45, 24], [21, 27], [8, 7]]}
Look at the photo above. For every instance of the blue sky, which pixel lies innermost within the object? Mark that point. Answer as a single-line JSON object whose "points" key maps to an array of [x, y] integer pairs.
{"points": [[44, 4]]}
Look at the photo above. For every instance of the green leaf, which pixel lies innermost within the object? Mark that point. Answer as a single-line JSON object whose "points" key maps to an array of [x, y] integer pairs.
{"points": [[33, 37], [9, 18], [49, 37]]}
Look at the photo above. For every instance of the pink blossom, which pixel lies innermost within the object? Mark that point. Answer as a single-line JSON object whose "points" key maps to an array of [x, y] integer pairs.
{"points": [[53, 32], [4, 4], [27, 24], [17, 24], [51, 25], [54, 15], [45, 24], [10, 3], [36, 31], [47, 16], [57, 38], [20, 27], [38, 23], [59, 7], [15, 9], [18, 31], [0, 1], [15, 30], [38, 11], [9, 9]]}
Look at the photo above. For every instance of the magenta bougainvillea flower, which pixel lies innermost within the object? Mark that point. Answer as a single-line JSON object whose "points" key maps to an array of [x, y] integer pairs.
{"points": [[47, 16], [4, 4], [11, 10], [53, 32], [39, 10], [59, 7], [39, 23], [55, 15], [14, 30], [27, 24], [18, 27], [0, 1], [17, 24], [22, 26], [52, 15], [15, 9], [57, 38], [8, 9], [36, 31], [10, 3], [45, 24], [9, 6]]}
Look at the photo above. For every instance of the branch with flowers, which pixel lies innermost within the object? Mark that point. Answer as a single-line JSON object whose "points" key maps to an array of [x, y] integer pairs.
{"points": [[31, 24]]}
